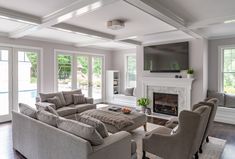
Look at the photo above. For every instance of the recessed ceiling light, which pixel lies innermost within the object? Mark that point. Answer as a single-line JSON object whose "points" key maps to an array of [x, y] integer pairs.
{"points": [[229, 21]]}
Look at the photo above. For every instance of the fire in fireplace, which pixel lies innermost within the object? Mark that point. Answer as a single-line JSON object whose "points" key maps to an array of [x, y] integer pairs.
{"points": [[165, 103]]}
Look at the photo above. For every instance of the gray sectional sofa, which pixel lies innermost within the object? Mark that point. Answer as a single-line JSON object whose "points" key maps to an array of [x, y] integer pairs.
{"points": [[66, 107], [226, 107], [37, 140]]}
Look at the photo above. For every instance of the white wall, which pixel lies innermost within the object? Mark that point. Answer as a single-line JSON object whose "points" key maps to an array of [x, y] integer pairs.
{"points": [[197, 60], [48, 57], [213, 60], [118, 63]]}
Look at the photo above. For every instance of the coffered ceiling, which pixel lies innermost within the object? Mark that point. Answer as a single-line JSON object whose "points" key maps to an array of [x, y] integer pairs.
{"points": [[82, 23]]}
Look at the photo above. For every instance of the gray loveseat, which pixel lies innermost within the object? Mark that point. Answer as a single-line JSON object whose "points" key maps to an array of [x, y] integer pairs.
{"points": [[37, 140], [67, 108]]}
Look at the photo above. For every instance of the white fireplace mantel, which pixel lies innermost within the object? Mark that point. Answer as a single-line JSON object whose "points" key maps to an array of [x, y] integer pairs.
{"points": [[180, 86]]}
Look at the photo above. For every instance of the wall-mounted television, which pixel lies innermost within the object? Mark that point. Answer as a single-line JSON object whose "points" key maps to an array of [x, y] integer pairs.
{"points": [[172, 57]]}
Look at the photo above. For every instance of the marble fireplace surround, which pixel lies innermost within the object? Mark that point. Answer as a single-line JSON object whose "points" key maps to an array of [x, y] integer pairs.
{"points": [[180, 86]]}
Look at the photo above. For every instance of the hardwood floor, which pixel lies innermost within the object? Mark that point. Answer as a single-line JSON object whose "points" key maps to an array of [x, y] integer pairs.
{"points": [[222, 131]]}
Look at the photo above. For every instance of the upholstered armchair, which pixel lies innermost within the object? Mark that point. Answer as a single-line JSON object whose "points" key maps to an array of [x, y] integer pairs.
{"points": [[213, 104], [184, 142]]}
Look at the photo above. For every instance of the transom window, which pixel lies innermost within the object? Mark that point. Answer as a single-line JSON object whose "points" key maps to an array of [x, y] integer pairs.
{"points": [[228, 70]]}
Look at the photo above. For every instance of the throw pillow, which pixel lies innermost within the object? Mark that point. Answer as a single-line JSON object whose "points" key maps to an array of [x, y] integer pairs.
{"points": [[47, 117], [55, 100], [43, 105], [68, 95], [82, 130], [45, 96], [79, 99], [51, 110], [129, 91], [97, 124], [27, 110]]}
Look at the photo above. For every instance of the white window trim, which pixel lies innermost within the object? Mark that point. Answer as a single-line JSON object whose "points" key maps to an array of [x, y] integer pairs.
{"points": [[74, 63], [125, 67], [221, 66]]}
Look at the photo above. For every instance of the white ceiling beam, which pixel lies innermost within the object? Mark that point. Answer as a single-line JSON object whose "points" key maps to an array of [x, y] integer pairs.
{"points": [[210, 22], [130, 41], [19, 16], [91, 43], [77, 8], [158, 11], [86, 31]]}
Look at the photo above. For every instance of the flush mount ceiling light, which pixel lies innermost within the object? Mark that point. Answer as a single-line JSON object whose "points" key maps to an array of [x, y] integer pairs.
{"points": [[115, 24]]}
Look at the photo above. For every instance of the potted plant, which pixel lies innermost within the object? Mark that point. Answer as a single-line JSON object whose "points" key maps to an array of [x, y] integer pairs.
{"points": [[190, 73], [143, 102]]}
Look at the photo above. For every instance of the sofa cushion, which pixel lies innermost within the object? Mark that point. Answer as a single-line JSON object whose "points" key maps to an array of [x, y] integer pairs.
{"points": [[45, 96], [229, 101], [56, 101], [27, 110], [82, 130], [47, 117], [219, 96], [68, 95], [68, 110], [129, 91], [51, 110], [98, 125], [83, 107], [79, 99]]}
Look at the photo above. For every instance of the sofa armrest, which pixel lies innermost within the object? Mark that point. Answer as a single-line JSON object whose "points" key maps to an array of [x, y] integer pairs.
{"points": [[43, 105], [115, 146], [89, 100]]}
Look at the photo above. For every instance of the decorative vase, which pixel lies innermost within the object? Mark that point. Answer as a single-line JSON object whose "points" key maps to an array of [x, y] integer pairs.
{"points": [[143, 109], [189, 75], [148, 111]]}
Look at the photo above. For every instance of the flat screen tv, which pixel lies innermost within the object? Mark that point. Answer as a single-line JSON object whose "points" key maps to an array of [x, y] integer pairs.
{"points": [[172, 57]]}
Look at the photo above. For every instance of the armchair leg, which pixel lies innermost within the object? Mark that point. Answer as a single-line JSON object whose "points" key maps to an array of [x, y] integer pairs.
{"points": [[196, 155], [200, 149], [207, 139]]}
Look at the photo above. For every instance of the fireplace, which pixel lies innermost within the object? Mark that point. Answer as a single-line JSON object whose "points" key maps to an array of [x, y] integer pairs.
{"points": [[165, 103]]}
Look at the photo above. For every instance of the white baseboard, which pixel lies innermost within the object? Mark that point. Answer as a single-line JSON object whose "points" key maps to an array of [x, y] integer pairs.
{"points": [[225, 115]]}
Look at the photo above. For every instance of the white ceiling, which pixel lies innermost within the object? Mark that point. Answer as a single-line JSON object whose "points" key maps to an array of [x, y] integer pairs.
{"points": [[148, 23], [137, 22], [35, 7], [197, 10]]}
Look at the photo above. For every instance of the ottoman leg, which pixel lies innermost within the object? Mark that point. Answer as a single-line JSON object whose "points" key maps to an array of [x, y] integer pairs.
{"points": [[145, 127]]}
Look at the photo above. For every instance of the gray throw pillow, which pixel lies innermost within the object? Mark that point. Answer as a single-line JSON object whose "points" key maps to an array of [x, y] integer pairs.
{"points": [[97, 124], [27, 110], [82, 130], [47, 117], [51, 110], [79, 99], [45, 96], [129, 91], [219, 96], [55, 100], [68, 95], [229, 100]]}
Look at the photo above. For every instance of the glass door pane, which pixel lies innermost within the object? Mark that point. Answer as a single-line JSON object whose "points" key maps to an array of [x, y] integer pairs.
{"points": [[131, 71], [97, 69], [27, 77], [83, 74], [4, 83], [64, 72]]}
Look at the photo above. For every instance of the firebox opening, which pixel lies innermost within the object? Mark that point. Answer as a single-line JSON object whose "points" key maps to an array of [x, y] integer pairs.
{"points": [[165, 103]]}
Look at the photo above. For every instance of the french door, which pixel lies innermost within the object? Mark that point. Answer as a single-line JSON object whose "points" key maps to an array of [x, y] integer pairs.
{"points": [[81, 71], [18, 80]]}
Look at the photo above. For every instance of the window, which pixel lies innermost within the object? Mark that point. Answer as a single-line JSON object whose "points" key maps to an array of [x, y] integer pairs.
{"points": [[228, 70], [64, 72], [130, 71]]}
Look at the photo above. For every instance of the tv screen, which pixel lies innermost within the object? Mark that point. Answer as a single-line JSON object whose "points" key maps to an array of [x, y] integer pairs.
{"points": [[167, 57]]}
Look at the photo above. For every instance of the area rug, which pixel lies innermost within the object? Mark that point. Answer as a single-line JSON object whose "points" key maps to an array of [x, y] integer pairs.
{"points": [[211, 150]]}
